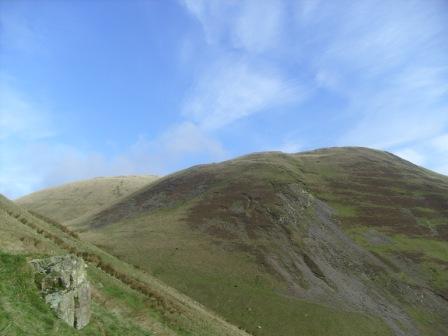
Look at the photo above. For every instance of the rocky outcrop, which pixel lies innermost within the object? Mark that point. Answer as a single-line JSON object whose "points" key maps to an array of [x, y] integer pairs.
{"points": [[63, 283]]}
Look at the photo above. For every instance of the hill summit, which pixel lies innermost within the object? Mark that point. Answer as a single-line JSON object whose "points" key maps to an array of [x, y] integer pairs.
{"points": [[340, 241]]}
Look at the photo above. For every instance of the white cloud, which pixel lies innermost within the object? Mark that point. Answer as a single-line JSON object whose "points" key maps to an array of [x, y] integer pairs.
{"points": [[229, 91], [31, 157], [214, 16], [375, 37], [181, 144], [387, 60], [259, 25], [431, 152], [230, 88], [411, 105], [29, 166], [187, 138], [252, 25]]}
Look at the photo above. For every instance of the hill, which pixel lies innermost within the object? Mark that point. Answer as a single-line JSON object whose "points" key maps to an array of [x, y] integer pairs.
{"points": [[72, 200], [339, 241], [126, 301]]}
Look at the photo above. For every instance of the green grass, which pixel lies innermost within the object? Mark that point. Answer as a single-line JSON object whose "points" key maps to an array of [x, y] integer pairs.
{"points": [[228, 282], [134, 297], [24, 312], [428, 324], [437, 273], [429, 248], [430, 255], [208, 245], [344, 210], [252, 304]]}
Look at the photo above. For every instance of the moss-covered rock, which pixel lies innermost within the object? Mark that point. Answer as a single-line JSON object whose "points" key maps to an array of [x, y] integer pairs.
{"points": [[65, 288]]}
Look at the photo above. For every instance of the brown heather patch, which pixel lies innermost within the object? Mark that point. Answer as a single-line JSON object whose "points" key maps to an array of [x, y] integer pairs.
{"points": [[442, 231], [390, 194], [386, 261], [166, 193], [414, 256], [249, 220], [437, 201]]}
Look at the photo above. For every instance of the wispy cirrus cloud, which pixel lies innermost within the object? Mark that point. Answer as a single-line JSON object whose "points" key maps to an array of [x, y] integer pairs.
{"points": [[33, 152], [28, 164], [31, 159], [388, 61], [367, 72], [236, 83], [432, 152], [237, 23], [231, 90], [385, 60], [410, 106]]}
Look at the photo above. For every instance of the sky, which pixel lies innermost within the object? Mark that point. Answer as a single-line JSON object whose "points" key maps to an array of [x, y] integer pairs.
{"points": [[119, 87]]}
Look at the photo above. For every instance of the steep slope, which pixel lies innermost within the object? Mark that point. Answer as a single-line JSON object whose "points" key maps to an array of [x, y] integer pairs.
{"points": [[72, 200], [343, 241], [395, 209], [126, 301]]}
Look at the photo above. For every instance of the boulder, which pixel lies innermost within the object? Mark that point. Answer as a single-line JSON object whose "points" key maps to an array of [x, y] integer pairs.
{"points": [[63, 283]]}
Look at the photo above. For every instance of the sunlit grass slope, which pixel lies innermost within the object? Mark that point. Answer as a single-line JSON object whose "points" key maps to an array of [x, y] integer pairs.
{"points": [[23, 312], [69, 201], [126, 301]]}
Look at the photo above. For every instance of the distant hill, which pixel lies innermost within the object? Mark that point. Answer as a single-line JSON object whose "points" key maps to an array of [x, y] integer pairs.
{"points": [[69, 201], [338, 241], [126, 301]]}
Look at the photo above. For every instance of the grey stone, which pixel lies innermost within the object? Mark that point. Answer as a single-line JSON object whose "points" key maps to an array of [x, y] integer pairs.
{"points": [[63, 283]]}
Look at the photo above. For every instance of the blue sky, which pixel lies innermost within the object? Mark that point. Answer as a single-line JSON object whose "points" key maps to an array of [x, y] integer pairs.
{"points": [[95, 88]]}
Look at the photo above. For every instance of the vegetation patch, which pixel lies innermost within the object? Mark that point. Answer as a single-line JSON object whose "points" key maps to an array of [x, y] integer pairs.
{"points": [[24, 312]]}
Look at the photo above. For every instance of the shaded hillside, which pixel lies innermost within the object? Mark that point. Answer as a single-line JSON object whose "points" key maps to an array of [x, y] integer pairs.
{"points": [[343, 241], [126, 301], [72, 200]]}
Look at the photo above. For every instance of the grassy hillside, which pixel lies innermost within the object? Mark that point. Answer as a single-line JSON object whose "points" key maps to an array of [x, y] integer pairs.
{"points": [[391, 207], [126, 301], [72, 200], [23, 312], [343, 241]]}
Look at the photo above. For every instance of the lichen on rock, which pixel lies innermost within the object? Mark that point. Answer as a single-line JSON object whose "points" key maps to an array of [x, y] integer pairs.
{"points": [[63, 283]]}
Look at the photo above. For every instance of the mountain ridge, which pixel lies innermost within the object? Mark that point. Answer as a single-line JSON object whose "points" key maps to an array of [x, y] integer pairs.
{"points": [[349, 229]]}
